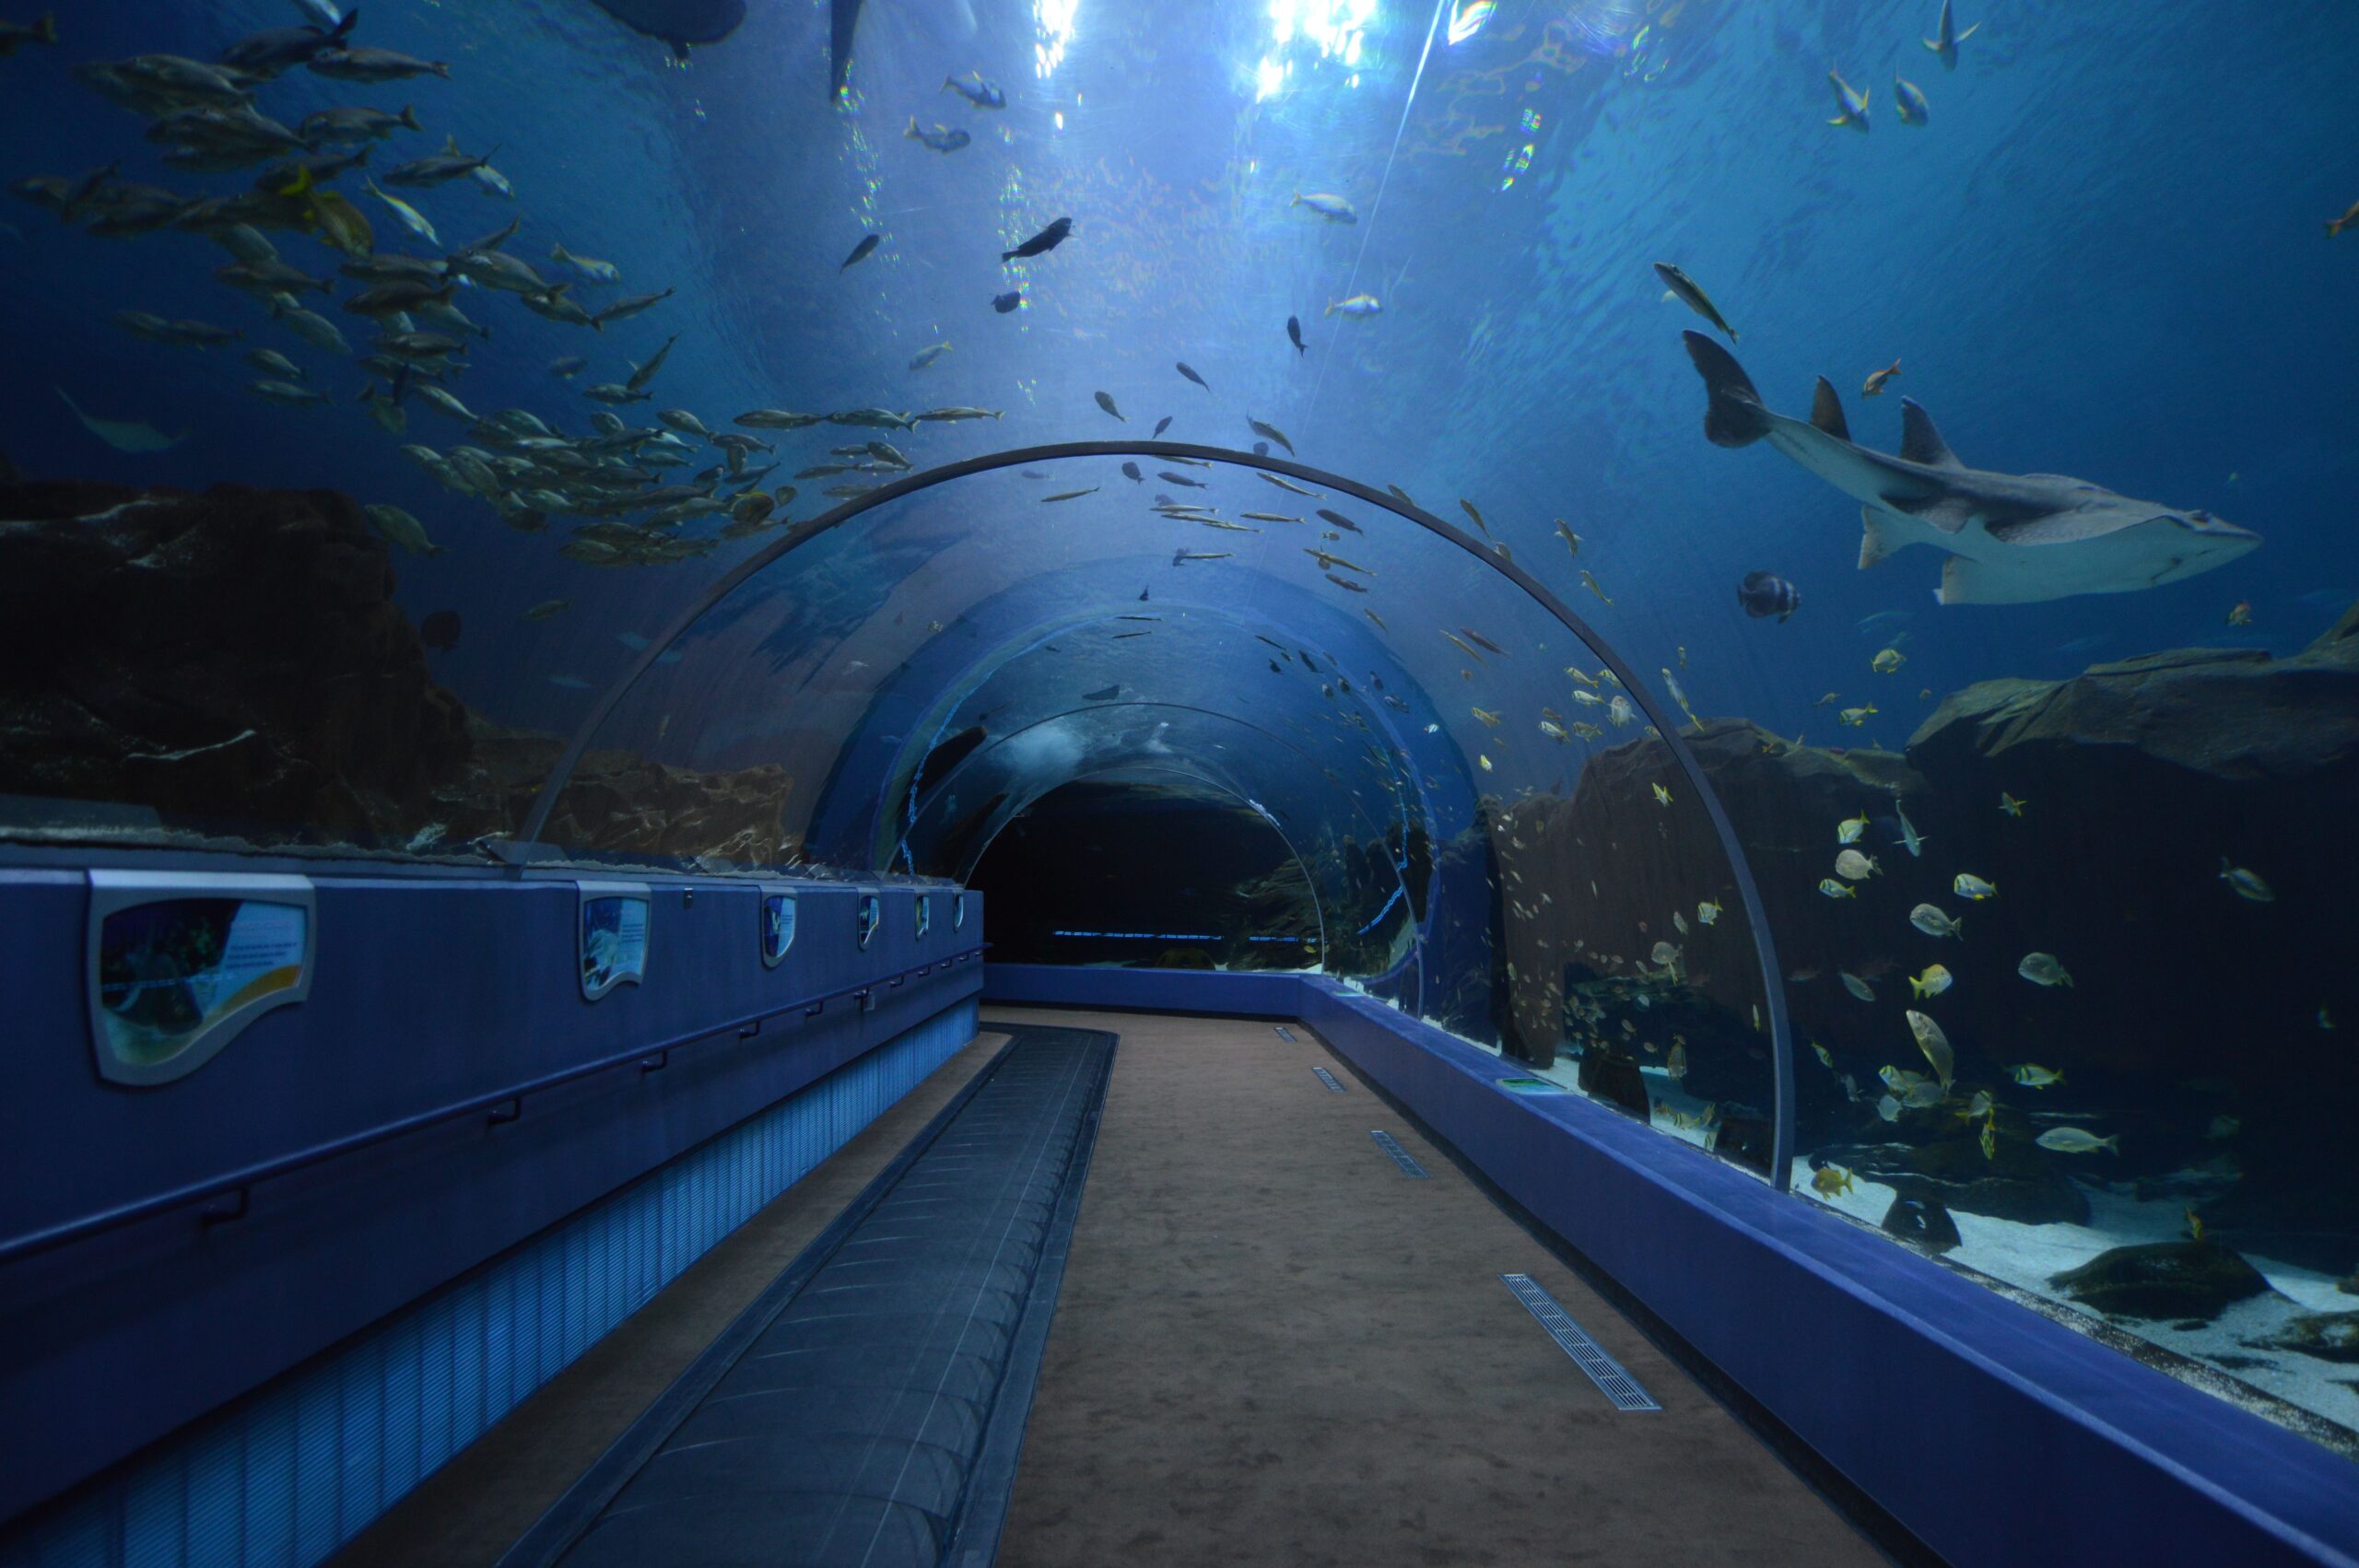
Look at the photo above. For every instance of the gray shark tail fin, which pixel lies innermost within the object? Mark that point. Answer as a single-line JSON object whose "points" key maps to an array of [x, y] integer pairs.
{"points": [[1826, 410], [1734, 418]]}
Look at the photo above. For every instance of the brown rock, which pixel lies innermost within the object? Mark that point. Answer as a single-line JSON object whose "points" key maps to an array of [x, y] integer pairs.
{"points": [[230, 658]]}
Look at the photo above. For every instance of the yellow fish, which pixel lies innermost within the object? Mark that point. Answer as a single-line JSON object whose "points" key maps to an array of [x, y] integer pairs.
{"points": [[1876, 379], [1829, 1181], [1848, 831], [1990, 1138], [1968, 886], [1590, 584], [1662, 796], [2011, 805], [2031, 1075], [1834, 889], [1826, 1057], [1885, 662], [2241, 615], [2194, 1225], [1932, 982], [1855, 717], [1709, 912]]}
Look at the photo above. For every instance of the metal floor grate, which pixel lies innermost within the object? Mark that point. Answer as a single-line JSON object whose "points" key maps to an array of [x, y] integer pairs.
{"points": [[1284, 1033], [1605, 1372], [1401, 1158], [1328, 1079]]}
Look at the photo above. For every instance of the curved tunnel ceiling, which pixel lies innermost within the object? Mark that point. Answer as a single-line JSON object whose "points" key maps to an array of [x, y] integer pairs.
{"points": [[987, 594]]}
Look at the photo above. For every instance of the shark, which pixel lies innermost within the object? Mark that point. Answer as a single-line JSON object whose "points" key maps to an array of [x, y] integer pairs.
{"points": [[2012, 538]]}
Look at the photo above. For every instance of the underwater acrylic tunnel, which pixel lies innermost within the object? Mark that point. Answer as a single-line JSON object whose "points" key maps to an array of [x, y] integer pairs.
{"points": [[605, 604], [1010, 625]]}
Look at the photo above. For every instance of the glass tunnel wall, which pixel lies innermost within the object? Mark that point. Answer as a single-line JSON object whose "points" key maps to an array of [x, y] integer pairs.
{"points": [[337, 500]]}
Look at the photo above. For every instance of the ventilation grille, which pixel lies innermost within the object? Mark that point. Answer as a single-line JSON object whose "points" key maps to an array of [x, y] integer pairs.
{"points": [[1401, 1157], [1328, 1079], [1284, 1033], [1587, 1355]]}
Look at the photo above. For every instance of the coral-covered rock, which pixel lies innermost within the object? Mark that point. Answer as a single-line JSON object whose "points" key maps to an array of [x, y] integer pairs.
{"points": [[2328, 1336], [234, 663], [619, 804], [2164, 1279]]}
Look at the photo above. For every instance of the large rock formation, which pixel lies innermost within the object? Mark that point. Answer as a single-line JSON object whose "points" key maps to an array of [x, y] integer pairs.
{"points": [[233, 662], [231, 657], [2210, 1030]]}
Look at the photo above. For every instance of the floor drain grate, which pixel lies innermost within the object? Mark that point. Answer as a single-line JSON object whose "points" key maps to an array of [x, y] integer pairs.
{"points": [[1284, 1033], [1328, 1079], [1587, 1355], [1401, 1158]]}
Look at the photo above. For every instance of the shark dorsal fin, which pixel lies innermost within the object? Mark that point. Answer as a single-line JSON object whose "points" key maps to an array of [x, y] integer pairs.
{"points": [[1920, 442], [1826, 410]]}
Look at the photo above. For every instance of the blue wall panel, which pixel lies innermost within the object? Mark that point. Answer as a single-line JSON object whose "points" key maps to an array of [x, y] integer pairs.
{"points": [[1232, 994], [289, 1474], [114, 1340]]}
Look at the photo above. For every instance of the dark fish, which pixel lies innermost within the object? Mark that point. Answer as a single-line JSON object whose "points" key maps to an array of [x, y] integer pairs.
{"points": [[975, 90], [1103, 694], [1261, 449], [1181, 479], [1046, 240], [267, 53], [1766, 593], [1130, 472], [860, 252], [1272, 432], [1294, 332], [942, 138], [680, 23], [571, 365], [1340, 521], [324, 169], [1008, 301], [1161, 425], [1184, 370], [440, 629]]}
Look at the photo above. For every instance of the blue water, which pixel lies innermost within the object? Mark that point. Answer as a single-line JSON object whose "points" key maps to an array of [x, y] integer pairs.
{"points": [[2103, 257]]}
